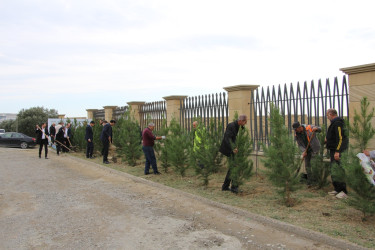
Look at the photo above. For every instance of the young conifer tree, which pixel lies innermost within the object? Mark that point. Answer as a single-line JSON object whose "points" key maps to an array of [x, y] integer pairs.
{"points": [[215, 140], [129, 138], [363, 197], [178, 148], [361, 130], [78, 139], [97, 130], [320, 169], [205, 151], [162, 147], [280, 157], [241, 165]]}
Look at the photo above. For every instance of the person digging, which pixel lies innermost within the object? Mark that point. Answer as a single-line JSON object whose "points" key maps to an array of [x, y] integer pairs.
{"points": [[309, 145]]}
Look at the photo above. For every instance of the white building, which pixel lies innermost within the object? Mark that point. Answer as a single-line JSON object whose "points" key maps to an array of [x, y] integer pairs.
{"points": [[7, 116]]}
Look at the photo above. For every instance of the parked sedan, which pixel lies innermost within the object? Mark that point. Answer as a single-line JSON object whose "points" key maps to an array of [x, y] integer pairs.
{"points": [[13, 139]]}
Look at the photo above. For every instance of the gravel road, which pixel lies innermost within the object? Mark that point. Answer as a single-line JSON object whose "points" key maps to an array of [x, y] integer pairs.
{"points": [[70, 203]]}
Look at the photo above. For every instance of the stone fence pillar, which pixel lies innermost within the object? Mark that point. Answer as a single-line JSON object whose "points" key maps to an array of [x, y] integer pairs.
{"points": [[361, 83], [135, 107], [173, 107], [239, 99], [90, 114], [108, 112]]}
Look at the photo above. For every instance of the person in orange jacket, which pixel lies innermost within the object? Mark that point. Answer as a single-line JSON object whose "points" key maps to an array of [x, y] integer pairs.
{"points": [[308, 143]]}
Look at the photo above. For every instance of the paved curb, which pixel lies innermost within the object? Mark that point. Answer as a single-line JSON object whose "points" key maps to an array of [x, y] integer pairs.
{"points": [[296, 230]]}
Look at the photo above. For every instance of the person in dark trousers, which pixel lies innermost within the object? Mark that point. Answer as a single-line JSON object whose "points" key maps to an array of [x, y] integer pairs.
{"points": [[227, 148], [102, 124], [305, 136], [60, 139], [89, 137], [106, 138], [52, 132], [67, 137], [336, 142], [42, 139], [148, 139]]}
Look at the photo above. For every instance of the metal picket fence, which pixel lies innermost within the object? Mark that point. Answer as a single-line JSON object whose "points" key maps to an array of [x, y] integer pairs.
{"points": [[99, 114], [305, 103], [119, 111], [205, 108], [154, 112]]}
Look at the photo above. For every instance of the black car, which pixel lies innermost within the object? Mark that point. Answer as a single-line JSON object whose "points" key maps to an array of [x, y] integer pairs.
{"points": [[14, 139]]}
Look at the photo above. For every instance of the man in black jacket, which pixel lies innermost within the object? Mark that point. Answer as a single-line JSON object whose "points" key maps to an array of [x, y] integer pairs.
{"points": [[60, 138], [89, 137], [336, 142], [106, 138], [68, 136], [42, 139], [227, 148], [52, 132]]}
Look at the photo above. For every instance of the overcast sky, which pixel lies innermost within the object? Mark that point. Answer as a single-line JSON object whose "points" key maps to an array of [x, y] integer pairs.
{"points": [[72, 55]]}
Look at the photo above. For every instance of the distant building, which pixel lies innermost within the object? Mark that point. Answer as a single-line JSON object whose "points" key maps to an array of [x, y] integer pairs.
{"points": [[7, 116]]}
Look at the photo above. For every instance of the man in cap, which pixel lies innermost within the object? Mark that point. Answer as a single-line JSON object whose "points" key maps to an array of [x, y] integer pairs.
{"points": [[308, 143]]}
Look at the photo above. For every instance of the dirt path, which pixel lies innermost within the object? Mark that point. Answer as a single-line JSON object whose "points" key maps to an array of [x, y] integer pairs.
{"points": [[69, 203]]}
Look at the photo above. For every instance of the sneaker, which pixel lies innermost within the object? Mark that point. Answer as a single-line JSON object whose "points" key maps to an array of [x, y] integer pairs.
{"points": [[341, 195], [147, 173], [333, 193], [106, 162], [157, 173]]}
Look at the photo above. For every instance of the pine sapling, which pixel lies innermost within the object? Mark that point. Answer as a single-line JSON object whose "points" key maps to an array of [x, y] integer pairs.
{"points": [[361, 130], [205, 152], [320, 169], [280, 157], [241, 165], [129, 138], [79, 131], [162, 147], [363, 197], [97, 130], [178, 148]]}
